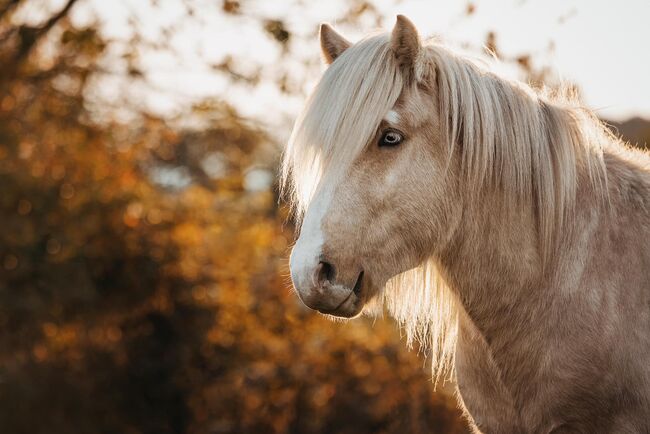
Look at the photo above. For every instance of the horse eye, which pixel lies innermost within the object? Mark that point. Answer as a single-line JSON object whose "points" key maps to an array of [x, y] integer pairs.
{"points": [[390, 138]]}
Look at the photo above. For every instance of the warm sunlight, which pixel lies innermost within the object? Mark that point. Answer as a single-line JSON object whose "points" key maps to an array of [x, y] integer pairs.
{"points": [[220, 217]]}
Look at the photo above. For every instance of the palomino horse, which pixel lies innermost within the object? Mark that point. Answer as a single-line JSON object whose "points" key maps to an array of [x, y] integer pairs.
{"points": [[505, 229]]}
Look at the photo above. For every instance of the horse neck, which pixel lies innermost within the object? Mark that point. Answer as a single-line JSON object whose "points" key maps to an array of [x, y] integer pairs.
{"points": [[493, 262], [495, 265]]}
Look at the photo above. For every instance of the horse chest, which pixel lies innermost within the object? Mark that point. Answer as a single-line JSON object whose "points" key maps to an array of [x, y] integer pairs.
{"points": [[481, 390], [496, 405], [488, 395]]}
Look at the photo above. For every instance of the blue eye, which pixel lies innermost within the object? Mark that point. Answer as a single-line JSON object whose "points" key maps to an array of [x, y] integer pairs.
{"points": [[390, 138]]}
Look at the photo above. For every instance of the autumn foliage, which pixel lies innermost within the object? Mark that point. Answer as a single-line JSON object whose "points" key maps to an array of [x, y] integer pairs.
{"points": [[143, 293]]}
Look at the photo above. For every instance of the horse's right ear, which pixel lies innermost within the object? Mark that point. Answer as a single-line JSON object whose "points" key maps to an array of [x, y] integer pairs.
{"points": [[331, 43], [406, 45]]}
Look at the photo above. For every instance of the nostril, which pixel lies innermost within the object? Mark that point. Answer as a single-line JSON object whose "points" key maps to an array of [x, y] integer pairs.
{"points": [[324, 273], [328, 270]]}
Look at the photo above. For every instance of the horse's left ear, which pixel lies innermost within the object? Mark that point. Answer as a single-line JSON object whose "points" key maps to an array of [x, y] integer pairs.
{"points": [[405, 43], [331, 43]]}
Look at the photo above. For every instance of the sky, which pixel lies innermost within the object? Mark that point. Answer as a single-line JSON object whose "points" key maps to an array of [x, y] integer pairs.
{"points": [[600, 45], [604, 46]]}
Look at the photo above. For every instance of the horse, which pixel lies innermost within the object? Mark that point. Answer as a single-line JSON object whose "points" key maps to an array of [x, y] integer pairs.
{"points": [[505, 229]]}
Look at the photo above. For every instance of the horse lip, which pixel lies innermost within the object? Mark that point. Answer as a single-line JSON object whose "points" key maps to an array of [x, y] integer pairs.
{"points": [[356, 290], [357, 286]]}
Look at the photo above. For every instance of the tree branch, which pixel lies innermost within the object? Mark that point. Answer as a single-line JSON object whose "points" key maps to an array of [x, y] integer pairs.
{"points": [[7, 7], [56, 18], [31, 35]]}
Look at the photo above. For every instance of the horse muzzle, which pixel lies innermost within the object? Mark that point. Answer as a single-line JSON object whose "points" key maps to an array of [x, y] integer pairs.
{"points": [[324, 289]]}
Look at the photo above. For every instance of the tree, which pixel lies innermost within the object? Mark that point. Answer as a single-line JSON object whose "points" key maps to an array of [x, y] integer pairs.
{"points": [[143, 290]]}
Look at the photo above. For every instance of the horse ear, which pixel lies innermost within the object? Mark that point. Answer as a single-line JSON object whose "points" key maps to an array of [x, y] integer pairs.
{"points": [[405, 42], [331, 43]]}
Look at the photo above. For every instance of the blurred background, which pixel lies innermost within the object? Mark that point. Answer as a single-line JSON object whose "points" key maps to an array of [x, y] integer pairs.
{"points": [[143, 250]]}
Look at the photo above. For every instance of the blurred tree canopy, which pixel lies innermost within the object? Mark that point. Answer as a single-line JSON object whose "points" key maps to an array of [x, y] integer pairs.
{"points": [[143, 280]]}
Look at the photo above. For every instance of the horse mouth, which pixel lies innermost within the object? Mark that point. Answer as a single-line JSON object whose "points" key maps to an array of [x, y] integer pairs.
{"points": [[357, 286], [353, 303]]}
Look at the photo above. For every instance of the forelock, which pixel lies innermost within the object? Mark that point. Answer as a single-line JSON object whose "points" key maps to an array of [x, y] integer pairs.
{"points": [[341, 115]]}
